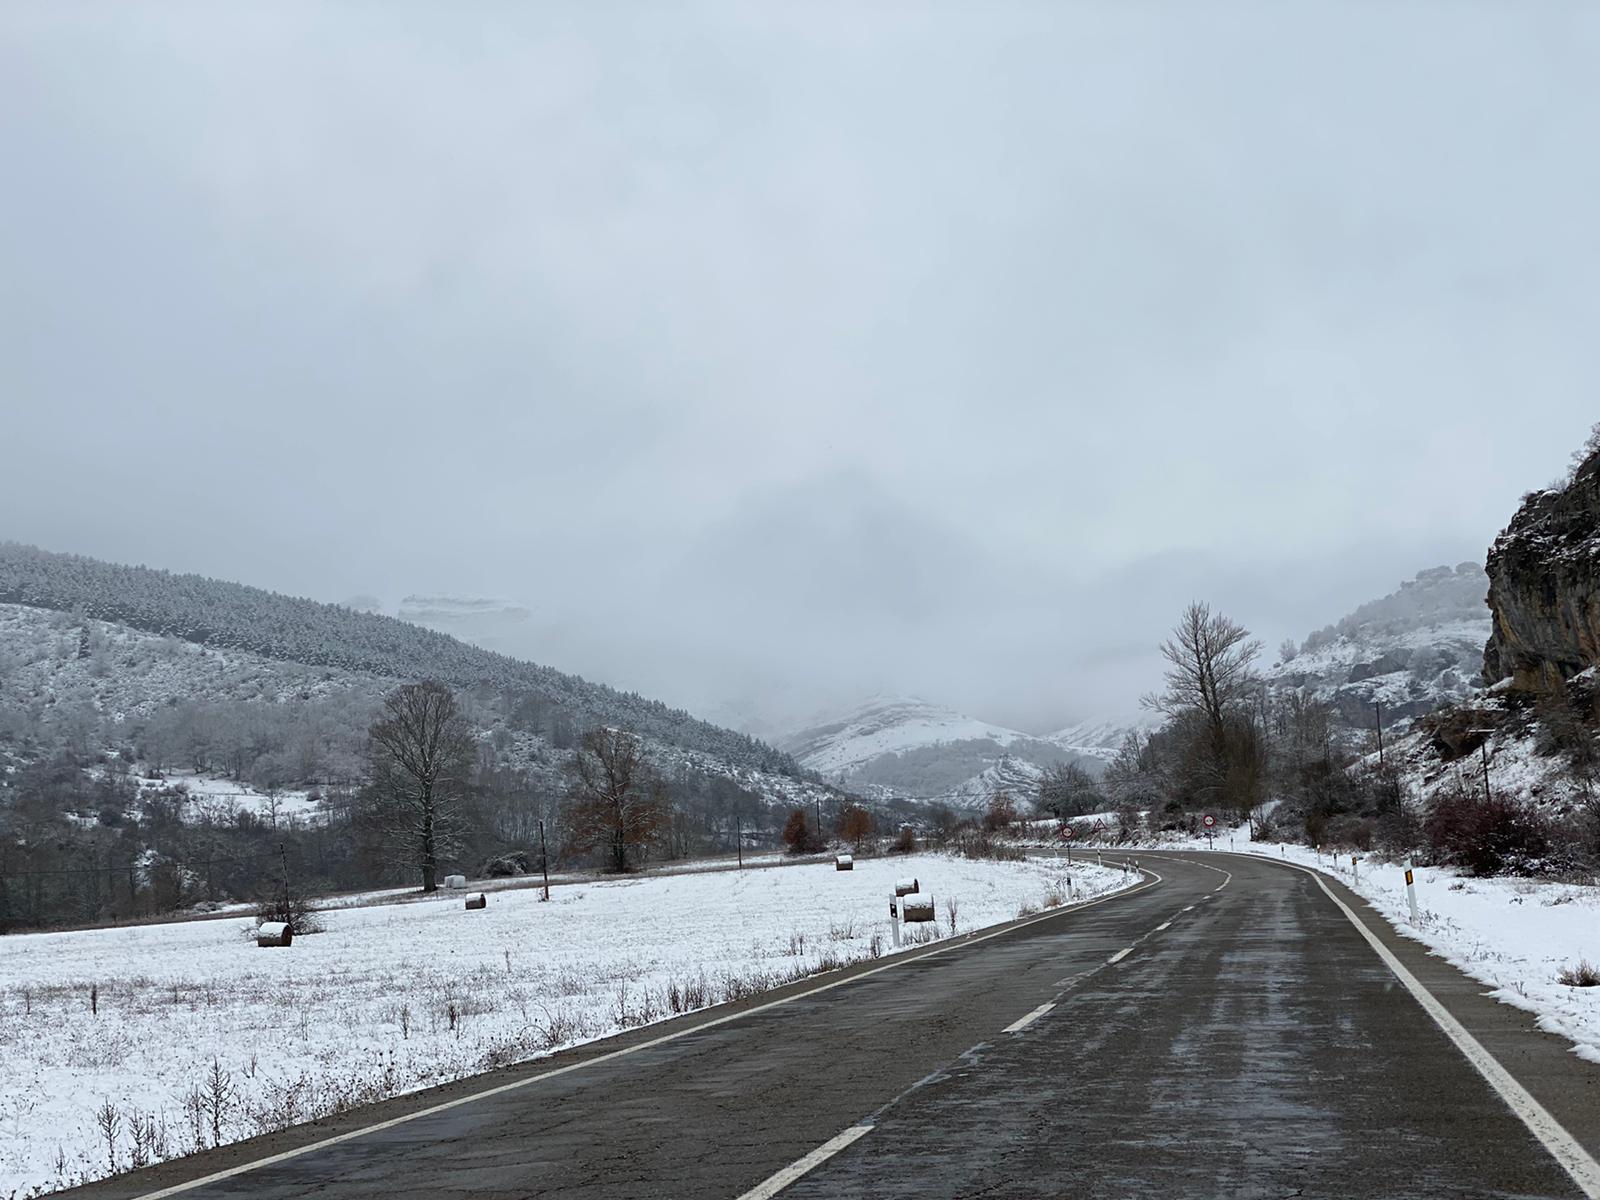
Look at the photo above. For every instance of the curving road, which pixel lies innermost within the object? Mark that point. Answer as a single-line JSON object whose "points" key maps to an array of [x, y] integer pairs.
{"points": [[1224, 1030]]}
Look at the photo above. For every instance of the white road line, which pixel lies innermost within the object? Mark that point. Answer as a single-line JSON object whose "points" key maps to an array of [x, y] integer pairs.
{"points": [[1120, 955], [1022, 1023], [515, 1085], [1189, 908], [775, 1184], [1563, 1147], [1165, 925]]}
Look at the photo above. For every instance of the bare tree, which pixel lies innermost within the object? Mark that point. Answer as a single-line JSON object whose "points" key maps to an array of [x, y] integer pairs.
{"points": [[1211, 660], [618, 802], [1067, 790], [421, 754]]}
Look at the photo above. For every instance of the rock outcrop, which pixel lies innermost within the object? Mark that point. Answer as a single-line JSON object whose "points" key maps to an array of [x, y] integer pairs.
{"points": [[1544, 588]]}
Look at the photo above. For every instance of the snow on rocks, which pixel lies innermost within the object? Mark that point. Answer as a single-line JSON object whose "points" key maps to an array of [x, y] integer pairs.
{"points": [[163, 1023]]}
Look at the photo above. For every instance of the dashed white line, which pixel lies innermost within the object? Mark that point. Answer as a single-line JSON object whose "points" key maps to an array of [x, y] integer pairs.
{"points": [[1164, 925], [1022, 1023], [776, 1183], [1189, 908], [1120, 955], [611, 1055]]}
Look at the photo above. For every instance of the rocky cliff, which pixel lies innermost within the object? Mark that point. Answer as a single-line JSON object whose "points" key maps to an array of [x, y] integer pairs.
{"points": [[1544, 588]]}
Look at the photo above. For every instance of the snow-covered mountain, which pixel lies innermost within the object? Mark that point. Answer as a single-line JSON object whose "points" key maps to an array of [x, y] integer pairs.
{"points": [[1414, 650], [904, 746], [1100, 740]]}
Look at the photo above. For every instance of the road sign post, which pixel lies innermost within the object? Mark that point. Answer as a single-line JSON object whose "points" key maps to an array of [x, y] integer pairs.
{"points": [[1210, 824]]}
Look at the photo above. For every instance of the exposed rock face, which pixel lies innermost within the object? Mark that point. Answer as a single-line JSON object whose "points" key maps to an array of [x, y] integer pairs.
{"points": [[1544, 588]]}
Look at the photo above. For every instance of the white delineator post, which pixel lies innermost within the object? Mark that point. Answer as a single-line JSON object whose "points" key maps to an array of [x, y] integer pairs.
{"points": [[894, 921], [1411, 897], [1355, 872]]}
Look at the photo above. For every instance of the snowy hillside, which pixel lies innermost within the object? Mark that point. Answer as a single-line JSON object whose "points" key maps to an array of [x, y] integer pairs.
{"points": [[1100, 740], [232, 618], [1413, 651], [903, 746], [887, 725], [171, 702]]}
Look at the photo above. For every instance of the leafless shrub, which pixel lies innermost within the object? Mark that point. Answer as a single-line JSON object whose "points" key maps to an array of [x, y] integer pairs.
{"points": [[951, 907], [1584, 974], [293, 909], [109, 1121], [219, 1098]]}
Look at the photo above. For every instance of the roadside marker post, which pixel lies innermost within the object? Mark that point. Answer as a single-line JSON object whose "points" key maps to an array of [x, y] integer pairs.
{"points": [[1355, 871], [1411, 897], [894, 921]]}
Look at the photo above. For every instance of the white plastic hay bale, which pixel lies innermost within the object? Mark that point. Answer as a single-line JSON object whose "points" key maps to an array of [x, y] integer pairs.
{"points": [[455, 881], [481, 900], [916, 908], [274, 933], [906, 887], [843, 862]]}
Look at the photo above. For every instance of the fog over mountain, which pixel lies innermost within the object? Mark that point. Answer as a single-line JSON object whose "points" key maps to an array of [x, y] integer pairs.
{"points": [[763, 359]]}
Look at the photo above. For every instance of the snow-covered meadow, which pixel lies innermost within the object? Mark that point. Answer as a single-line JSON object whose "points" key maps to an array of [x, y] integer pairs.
{"points": [[123, 1046], [1515, 935]]}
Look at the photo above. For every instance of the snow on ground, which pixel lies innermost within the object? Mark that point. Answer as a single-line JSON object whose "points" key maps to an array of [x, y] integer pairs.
{"points": [[219, 798], [182, 1032], [1515, 935]]}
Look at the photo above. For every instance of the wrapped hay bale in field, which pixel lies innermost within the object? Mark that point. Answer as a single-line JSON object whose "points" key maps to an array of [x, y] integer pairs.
{"points": [[905, 887], [843, 862], [479, 901], [274, 933], [916, 908]]}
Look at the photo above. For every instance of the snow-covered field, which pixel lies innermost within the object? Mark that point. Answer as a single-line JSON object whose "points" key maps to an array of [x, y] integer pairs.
{"points": [[127, 1045], [1515, 935]]}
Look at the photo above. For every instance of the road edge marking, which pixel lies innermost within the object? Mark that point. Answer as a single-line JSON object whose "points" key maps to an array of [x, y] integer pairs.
{"points": [[899, 960], [1552, 1135], [775, 1183]]}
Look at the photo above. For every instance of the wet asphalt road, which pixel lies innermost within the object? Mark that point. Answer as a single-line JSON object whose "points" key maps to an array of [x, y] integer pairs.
{"points": [[1248, 1044]]}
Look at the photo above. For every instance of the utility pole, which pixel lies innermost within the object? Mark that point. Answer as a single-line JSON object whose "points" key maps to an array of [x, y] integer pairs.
{"points": [[288, 915], [1377, 706], [738, 840], [544, 861], [1484, 746]]}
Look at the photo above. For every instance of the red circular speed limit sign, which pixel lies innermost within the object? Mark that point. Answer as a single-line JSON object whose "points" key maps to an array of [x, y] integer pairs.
{"points": [[1209, 821]]}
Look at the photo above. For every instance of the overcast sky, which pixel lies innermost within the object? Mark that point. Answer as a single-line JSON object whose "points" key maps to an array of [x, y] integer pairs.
{"points": [[774, 355]]}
